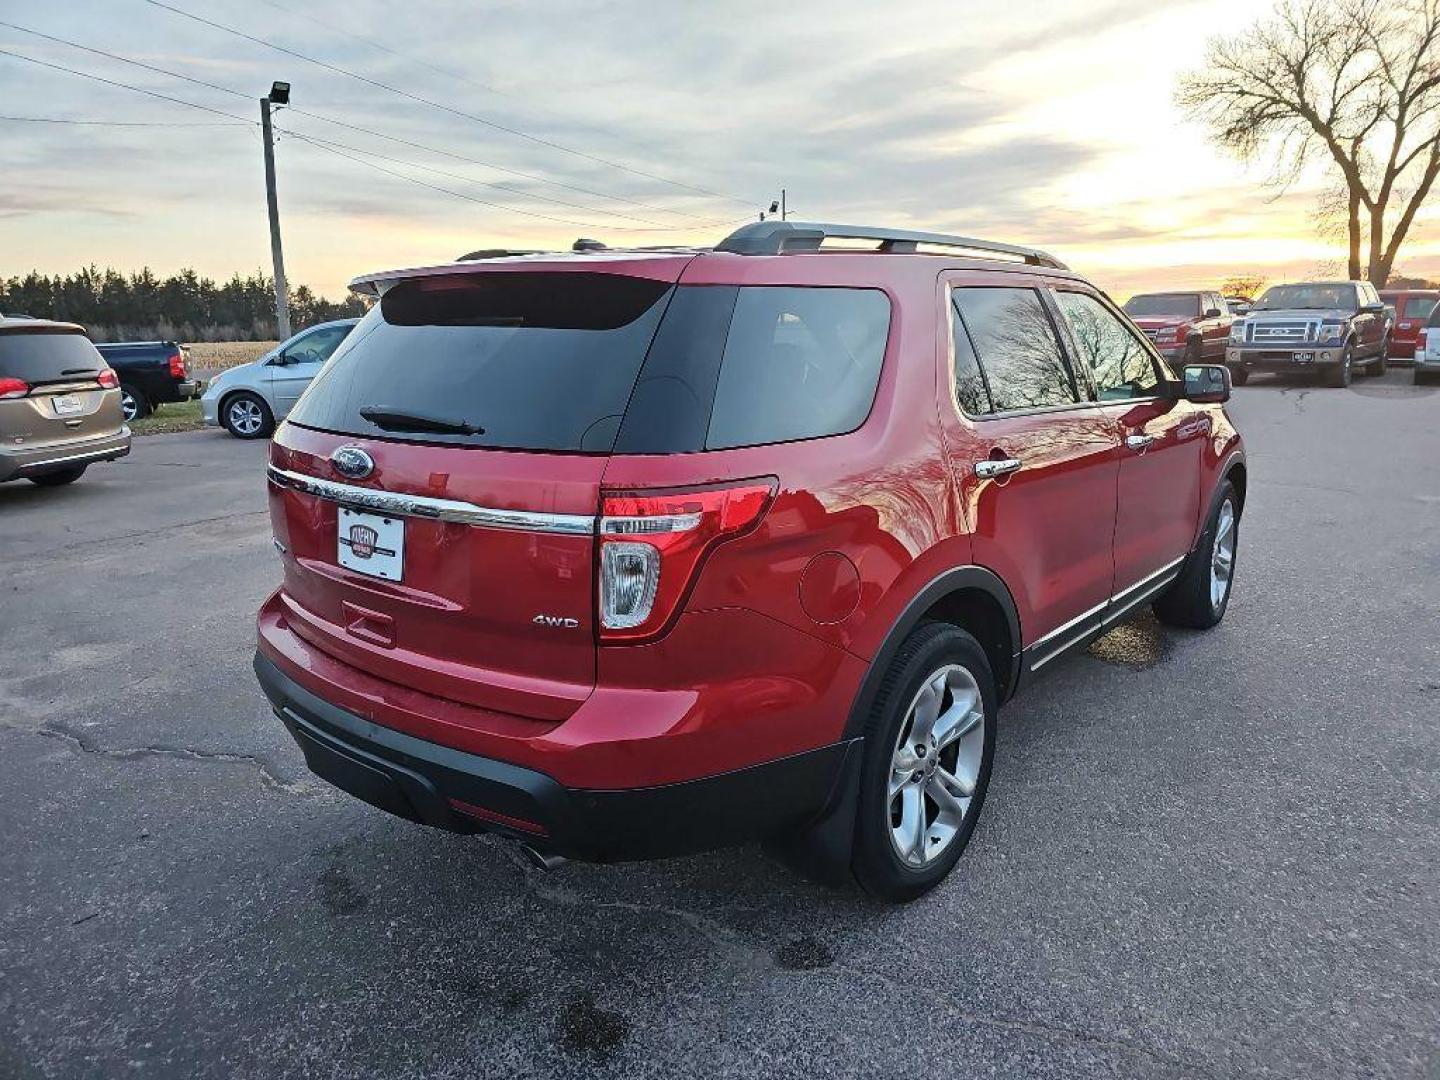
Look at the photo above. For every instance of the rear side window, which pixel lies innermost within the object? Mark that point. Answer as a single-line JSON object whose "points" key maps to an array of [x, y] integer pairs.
{"points": [[537, 361], [798, 363], [1014, 341], [1418, 307], [745, 366], [47, 356]]}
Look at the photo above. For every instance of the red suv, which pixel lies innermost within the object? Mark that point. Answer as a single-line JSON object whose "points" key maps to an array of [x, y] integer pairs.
{"points": [[631, 553]]}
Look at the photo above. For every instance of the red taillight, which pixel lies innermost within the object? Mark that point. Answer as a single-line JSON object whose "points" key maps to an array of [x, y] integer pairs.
{"points": [[13, 388], [652, 543], [108, 379], [177, 364]]}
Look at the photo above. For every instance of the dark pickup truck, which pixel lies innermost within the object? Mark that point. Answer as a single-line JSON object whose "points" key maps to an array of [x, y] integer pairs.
{"points": [[151, 373]]}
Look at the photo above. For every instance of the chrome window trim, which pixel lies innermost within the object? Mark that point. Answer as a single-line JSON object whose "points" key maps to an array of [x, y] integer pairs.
{"points": [[423, 506]]}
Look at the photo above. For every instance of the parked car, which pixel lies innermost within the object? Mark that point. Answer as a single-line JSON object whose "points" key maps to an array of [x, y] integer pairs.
{"points": [[1409, 311], [636, 553], [59, 403], [1187, 327], [1324, 328], [1238, 305], [152, 373], [248, 399], [1427, 349]]}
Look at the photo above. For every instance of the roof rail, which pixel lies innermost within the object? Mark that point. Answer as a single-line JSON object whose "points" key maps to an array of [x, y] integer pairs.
{"points": [[779, 237], [497, 253]]}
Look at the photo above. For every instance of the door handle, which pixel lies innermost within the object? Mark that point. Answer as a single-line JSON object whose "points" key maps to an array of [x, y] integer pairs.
{"points": [[1139, 442], [992, 467]]}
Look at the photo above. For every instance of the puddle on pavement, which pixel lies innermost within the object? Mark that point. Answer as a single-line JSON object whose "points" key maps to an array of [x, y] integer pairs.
{"points": [[585, 1028], [805, 953], [1138, 643]]}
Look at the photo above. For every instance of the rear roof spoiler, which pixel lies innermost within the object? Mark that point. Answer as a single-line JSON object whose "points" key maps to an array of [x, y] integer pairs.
{"points": [[781, 237]]}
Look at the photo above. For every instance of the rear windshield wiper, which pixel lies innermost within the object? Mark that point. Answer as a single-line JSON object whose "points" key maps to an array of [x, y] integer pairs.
{"points": [[390, 419]]}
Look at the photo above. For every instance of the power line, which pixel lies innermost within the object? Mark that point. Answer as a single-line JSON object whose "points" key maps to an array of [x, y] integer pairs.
{"points": [[124, 86], [126, 123], [320, 144], [470, 179], [359, 128], [329, 148], [341, 150], [386, 48], [517, 132], [429, 65]]}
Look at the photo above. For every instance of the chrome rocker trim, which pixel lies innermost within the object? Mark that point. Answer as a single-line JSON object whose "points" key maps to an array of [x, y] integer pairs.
{"points": [[1102, 615]]}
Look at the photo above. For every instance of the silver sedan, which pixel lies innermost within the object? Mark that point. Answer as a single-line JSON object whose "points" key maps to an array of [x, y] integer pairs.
{"points": [[248, 399]]}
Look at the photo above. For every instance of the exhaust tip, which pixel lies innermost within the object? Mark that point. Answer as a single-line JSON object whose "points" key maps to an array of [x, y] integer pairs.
{"points": [[542, 860]]}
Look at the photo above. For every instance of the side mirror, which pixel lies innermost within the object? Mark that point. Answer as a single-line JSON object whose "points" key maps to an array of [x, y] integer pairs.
{"points": [[1212, 313], [1207, 384]]}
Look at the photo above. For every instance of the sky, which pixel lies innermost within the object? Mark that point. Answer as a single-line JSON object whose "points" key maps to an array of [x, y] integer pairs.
{"points": [[633, 121]]}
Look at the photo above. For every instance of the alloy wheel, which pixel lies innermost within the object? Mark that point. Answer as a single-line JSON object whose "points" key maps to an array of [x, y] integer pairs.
{"points": [[245, 416], [935, 765], [129, 407], [1222, 557]]}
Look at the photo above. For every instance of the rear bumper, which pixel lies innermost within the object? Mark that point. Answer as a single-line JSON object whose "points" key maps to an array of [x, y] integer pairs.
{"points": [[17, 462], [462, 792]]}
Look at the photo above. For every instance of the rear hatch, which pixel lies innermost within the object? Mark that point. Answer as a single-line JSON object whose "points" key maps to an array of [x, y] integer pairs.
{"points": [[436, 487], [50, 387]]}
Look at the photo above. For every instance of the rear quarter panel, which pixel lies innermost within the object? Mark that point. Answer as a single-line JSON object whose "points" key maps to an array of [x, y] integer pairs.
{"points": [[877, 499]]}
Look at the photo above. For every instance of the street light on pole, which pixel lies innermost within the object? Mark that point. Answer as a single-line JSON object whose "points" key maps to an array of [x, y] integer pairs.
{"points": [[279, 96]]}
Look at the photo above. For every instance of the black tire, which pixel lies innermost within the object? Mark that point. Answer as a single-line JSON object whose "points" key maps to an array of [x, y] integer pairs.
{"points": [[876, 863], [246, 416], [1239, 376], [133, 404], [60, 477], [1339, 376], [1381, 363], [1188, 602]]}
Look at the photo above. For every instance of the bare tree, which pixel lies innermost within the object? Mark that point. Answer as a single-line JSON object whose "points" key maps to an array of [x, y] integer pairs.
{"points": [[1356, 82]]}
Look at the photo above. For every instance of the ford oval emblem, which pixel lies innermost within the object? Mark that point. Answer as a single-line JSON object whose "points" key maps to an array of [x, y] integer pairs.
{"points": [[352, 462]]}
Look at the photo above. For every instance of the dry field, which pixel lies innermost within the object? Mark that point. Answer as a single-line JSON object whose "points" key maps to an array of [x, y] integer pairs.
{"points": [[219, 355]]}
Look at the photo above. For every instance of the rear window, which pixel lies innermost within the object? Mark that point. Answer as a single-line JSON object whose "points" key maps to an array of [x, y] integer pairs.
{"points": [[540, 361], [47, 356], [1163, 306], [599, 362]]}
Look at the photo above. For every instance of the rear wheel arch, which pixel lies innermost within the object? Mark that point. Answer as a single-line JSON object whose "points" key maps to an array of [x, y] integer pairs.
{"points": [[970, 597]]}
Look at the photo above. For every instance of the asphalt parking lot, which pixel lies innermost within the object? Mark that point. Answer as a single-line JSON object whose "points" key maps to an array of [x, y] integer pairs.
{"points": [[1202, 855]]}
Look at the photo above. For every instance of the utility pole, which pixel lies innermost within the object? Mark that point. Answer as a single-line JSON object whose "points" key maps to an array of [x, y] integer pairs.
{"points": [[783, 212], [280, 95]]}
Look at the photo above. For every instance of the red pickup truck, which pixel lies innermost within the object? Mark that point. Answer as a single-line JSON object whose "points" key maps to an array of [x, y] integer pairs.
{"points": [[1187, 327]]}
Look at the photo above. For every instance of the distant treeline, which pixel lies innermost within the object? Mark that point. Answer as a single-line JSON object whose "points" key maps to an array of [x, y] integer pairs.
{"points": [[183, 307]]}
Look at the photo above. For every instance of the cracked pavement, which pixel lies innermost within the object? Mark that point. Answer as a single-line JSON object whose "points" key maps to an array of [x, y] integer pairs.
{"points": [[1202, 855]]}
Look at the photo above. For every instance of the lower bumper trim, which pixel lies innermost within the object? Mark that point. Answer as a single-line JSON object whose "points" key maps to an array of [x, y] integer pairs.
{"points": [[462, 792]]}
